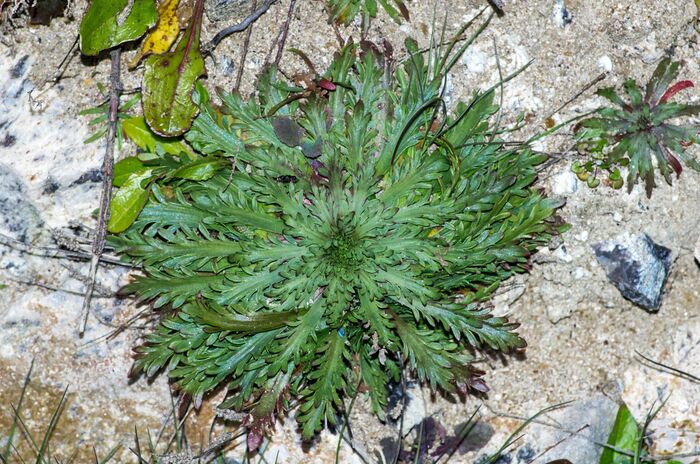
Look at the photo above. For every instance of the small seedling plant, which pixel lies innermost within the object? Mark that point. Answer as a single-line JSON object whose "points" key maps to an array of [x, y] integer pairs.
{"points": [[319, 241], [638, 131], [344, 11]]}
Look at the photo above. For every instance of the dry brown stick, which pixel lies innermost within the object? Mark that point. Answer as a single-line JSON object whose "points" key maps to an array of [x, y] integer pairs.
{"points": [[98, 241], [58, 289], [66, 61], [244, 54], [551, 447], [128, 325], [57, 253], [585, 88], [285, 32]]}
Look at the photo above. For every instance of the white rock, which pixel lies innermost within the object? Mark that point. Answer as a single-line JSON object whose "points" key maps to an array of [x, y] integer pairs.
{"points": [[561, 310], [560, 14], [582, 236], [563, 255], [564, 183], [476, 60], [538, 145], [509, 295], [605, 63], [562, 302], [7, 351], [581, 273]]}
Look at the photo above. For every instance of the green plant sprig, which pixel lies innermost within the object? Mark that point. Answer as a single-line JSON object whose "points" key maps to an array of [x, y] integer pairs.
{"points": [[345, 11]]}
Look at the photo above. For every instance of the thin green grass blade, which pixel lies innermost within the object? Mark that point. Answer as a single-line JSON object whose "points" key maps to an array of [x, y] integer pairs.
{"points": [[641, 443], [453, 42], [345, 423], [52, 425], [137, 445], [151, 445], [109, 455], [515, 436], [25, 431], [6, 452], [418, 459], [483, 95], [460, 51], [671, 370]]}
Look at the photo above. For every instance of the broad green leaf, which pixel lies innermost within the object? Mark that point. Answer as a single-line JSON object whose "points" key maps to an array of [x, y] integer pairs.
{"points": [[168, 82], [138, 132], [128, 202], [624, 436], [103, 26], [125, 168], [160, 39], [199, 170]]}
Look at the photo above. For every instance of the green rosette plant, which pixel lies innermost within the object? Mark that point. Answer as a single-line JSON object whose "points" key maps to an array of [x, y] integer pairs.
{"points": [[341, 234], [640, 129]]}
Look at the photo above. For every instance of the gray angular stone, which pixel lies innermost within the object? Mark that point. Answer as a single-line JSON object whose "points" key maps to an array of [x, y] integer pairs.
{"points": [[637, 266]]}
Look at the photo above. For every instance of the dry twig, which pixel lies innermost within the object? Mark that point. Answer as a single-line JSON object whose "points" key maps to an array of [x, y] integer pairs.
{"points": [[244, 53], [285, 32], [98, 243], [57, 253]]}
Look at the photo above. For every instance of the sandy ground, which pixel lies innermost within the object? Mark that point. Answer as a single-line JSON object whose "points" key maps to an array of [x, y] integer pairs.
{"points": [[582, 334]]}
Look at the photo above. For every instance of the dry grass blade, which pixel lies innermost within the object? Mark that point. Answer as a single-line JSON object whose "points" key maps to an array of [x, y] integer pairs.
{"points": [[668, 369]]}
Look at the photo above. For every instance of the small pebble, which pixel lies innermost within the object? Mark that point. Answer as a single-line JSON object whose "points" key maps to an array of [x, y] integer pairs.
{"points": [[605, 63]]}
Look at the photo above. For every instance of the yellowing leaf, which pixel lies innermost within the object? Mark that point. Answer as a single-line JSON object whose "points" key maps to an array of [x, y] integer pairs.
{"points": [[160, 39], [168, 81]]}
